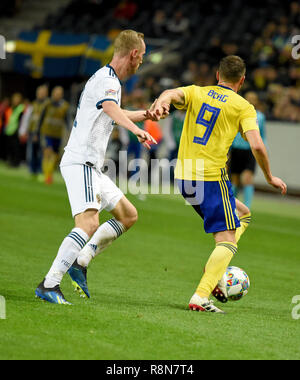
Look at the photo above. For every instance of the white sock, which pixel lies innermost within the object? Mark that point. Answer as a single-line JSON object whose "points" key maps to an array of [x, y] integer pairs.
{"points": [[102, 238], [67, 254]]}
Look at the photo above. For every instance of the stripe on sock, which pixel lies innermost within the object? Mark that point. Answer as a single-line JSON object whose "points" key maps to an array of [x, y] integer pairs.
{"points": [[114, 224], [246, 218], [77, 238], [231, 247]]}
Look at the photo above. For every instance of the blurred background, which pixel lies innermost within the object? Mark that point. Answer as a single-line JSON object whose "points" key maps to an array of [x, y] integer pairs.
{"points": [[52, 48]]}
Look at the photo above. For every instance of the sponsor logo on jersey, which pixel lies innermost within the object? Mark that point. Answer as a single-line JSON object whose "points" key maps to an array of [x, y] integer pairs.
{"points": [[110, 92]]}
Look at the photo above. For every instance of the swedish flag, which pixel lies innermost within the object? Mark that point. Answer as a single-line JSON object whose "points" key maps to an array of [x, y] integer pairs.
{"points": [[48, 54], [98, 54]]}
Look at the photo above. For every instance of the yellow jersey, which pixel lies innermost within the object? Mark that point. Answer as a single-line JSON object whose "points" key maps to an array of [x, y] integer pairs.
{"points": [[214, 116], [54, 122]]}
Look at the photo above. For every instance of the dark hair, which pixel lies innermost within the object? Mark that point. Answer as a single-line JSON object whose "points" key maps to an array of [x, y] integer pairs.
{"points": [[232, 68]]}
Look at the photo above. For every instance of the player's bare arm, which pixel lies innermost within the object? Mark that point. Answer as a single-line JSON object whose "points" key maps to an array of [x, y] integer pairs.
{"points": [[168, 97], [136, 116], [143, 115], [117, 114], [260, 153]]}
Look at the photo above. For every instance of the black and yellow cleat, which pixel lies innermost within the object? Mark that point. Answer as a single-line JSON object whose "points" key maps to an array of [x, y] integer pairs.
{"points": [[52, 295], [78, 276]]}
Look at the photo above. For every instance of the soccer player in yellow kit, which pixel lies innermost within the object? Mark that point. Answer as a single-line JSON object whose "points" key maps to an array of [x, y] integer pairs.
{"points": [[214, 115]]}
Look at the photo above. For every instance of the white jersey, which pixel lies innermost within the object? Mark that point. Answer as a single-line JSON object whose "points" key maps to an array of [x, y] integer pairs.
{"points": [[92, 127]]}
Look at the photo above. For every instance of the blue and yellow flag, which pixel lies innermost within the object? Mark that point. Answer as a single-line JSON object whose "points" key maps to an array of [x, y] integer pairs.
{"points": [[48, 54], [98, 54]]}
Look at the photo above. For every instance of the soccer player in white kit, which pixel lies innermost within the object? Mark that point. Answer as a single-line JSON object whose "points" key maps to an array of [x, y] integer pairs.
{"points": [[89, 190]]}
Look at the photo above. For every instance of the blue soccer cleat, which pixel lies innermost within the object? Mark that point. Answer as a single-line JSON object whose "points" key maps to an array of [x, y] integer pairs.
{"points": [[52, 295], [78, 275]]}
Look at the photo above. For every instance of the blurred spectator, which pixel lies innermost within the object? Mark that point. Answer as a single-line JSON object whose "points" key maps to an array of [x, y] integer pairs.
{"points": [[242, 162], [4, 106], [178, 25], [190, 75], [287, 106], [34, 150], [166, 81], [52, 128], [125, 10], [153, 127], [12, 129], [114, 148], [294, 17], [263, 76], [176, 121], [159, 24], [205, 76], [137, 102], [274, 94], [281, 37], [24, 122], [22, 126], [269, 30], [229, 48], [151, 88], [265, 44], [215, 53], [172, 133]]}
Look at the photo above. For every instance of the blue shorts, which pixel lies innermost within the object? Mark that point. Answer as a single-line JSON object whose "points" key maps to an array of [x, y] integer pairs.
{"points": [[213, 201], [52, 142]]}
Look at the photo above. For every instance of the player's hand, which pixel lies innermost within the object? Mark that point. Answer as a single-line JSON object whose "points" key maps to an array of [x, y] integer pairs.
{"points": [[159, 111], [278, 184], [151, 116], [165, 110], [145, 138]]}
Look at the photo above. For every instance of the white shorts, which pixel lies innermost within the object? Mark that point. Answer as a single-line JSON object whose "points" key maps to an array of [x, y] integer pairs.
{"points": [[89, 189]]}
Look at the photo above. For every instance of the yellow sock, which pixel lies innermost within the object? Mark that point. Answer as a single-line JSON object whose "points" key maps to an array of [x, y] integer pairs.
{"points": [[216, 267], [45, 166], [245, 220], [48, 165], [52, 165]]}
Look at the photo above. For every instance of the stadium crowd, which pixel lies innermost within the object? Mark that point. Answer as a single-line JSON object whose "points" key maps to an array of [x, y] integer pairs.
{"points": [[260, 33], [32, 132], [272, 73]]}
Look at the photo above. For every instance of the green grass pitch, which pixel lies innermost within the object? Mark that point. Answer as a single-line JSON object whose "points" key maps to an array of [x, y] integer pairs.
{"points": [[141, 285]]}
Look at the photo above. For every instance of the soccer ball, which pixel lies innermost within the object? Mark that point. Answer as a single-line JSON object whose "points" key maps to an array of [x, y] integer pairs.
{"points": [[237, 283]]}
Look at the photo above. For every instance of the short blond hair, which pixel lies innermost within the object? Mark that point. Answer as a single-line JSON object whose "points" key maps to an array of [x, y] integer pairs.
{"points": [[128, 40]]}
